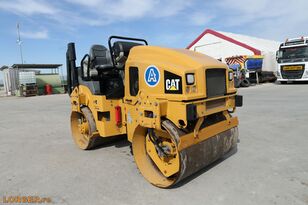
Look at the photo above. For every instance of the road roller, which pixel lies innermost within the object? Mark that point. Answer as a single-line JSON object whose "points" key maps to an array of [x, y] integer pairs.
{"points": [[175, 106]]}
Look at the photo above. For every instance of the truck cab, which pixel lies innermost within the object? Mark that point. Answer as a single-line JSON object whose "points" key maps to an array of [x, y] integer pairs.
{"points": [[292, 60]]}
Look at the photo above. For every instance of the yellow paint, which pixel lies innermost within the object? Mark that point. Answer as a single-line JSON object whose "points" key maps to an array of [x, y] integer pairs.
{"points": [[167, 165], [207, 132], [98, 104], [293, 67], [154, 99], [135, 109]]}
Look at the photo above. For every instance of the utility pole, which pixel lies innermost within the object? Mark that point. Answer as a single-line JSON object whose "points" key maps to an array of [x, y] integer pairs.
{"points": [[19, 42]]}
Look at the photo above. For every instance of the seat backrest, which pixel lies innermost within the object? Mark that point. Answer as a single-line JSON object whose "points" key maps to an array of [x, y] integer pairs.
{"points": [[123, 47], [121, 51], [100, 57]]}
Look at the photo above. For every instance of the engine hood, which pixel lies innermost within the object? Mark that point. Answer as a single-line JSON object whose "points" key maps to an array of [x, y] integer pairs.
{"points": [[177, 60]]}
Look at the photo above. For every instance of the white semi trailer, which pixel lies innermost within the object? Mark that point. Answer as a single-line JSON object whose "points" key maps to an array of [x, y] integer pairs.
{"points": [[292, 59]]}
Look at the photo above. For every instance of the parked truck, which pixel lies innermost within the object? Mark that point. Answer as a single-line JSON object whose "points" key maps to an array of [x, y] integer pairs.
{"points": [[292, 59], [247, 69]]}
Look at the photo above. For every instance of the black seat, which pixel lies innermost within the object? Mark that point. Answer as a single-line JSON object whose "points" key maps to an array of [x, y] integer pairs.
{"points": [[100, 58], [121, 51], [103, 71]]}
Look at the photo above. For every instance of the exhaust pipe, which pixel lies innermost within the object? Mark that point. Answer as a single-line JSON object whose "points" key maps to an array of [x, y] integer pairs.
{"points": [[72, 73]]}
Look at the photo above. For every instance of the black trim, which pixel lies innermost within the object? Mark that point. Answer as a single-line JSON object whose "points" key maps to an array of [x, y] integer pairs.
{"points": [[122, 38], [238, 101], [191, 112], [133, 81], [72, 72], [82, 69], [216, 84]]}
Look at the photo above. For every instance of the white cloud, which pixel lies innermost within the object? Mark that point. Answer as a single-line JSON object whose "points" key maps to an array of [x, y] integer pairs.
{"points": [[200, 18], [35, 34], [245, 6], [175, 40], [165, 8], [266, 9], [126, 8], [88, 3], [94, 12], [28, 7], [132, 9], [273, 19], [119, 8]]}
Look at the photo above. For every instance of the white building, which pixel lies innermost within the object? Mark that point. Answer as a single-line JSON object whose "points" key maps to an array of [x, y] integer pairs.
{"points": [[221, 45]]}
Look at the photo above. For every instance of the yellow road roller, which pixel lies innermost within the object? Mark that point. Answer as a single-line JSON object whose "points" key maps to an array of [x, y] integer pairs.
{"points": [[174, 105]]}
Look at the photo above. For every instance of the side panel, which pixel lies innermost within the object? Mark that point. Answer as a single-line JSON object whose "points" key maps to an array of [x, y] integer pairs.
{"points": [[104, 111], [145, 112]]}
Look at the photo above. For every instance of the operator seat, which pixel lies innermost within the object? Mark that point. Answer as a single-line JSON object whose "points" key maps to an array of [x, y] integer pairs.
{"points": [[99, 60], [102, 69]]}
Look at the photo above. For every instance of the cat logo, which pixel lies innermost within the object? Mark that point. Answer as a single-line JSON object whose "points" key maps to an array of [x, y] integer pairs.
{"points": [[173, 83]]}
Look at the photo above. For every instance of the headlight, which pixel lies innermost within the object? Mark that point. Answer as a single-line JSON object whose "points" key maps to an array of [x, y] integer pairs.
{"points": [[193, 89], [230, 75], [305, 74], [278, 74], [190, 78]]}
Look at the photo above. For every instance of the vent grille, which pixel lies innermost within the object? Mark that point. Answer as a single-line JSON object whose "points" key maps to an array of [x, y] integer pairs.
{"points": [[215, 82], [292, 74]]}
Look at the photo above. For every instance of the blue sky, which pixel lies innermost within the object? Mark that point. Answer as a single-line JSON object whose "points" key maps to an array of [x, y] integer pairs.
{"points": [[47, 26]]}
